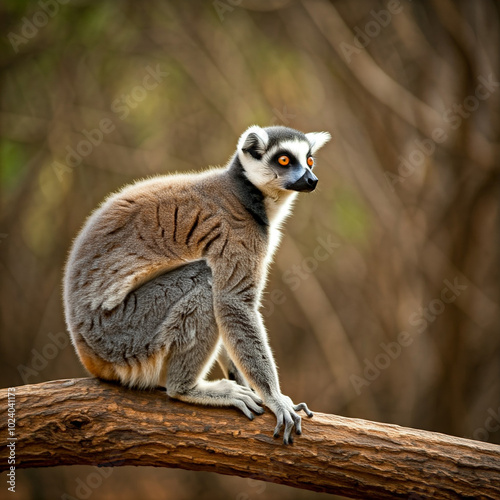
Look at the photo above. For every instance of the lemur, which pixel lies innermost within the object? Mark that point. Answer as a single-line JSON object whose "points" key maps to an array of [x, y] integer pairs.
{"points": [[167, 275]]}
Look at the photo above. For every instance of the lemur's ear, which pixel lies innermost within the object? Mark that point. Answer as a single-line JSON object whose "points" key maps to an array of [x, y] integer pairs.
{"points": [[317, 140], [254, 141]]}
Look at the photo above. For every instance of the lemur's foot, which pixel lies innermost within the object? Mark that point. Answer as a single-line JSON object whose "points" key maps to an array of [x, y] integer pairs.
{"points": [[221, 393]]}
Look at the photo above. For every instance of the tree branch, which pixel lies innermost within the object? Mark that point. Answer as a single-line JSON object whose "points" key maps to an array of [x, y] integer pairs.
{"points": [[88, 422]]}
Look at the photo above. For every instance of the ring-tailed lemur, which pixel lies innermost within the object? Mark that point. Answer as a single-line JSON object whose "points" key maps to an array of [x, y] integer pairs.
{"points": [[167, 274]]}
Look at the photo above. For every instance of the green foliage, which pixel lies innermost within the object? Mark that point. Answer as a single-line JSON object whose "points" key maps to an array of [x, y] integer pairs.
{"points": [[13, 167], [352, 219]]}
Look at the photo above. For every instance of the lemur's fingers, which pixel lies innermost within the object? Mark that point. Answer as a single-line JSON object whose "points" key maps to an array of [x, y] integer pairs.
{"points": [[298, 424], [303, 406], [287, 435], [243, 407], [248, 392], [284, 409], [279, 425], [252, 405]]}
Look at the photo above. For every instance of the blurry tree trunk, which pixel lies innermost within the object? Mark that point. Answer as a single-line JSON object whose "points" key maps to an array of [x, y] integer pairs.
{"points": [[87, 422]]}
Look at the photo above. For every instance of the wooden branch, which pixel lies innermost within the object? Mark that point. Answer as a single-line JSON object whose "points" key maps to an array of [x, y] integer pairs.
{"points": [[88, 422]]}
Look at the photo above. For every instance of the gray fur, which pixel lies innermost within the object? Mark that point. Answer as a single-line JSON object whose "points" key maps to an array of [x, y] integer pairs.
{"points": [[141, 324], [168, 273]]}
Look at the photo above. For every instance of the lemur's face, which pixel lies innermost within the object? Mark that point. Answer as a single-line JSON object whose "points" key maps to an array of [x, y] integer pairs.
{"points": [[280, 158]]}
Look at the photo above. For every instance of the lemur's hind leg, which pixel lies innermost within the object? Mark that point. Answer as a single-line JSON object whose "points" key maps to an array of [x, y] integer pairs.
{"points": [[166, 326], [192, 327], [131, 342]]}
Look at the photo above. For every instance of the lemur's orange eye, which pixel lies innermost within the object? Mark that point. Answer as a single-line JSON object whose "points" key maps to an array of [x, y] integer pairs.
{"points": [[284, 160], [310, 161]]}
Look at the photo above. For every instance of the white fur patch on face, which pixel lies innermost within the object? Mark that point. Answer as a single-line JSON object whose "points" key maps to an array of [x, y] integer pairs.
{"points": [[258, 173], [255, 170], [318, 140]]}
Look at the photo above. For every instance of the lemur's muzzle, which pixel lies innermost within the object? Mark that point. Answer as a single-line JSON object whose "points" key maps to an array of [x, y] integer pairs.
{"points": [[306, 183]]}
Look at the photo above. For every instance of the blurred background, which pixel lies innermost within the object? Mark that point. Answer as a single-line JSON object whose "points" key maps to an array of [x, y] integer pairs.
{"points": [[383, 302]]}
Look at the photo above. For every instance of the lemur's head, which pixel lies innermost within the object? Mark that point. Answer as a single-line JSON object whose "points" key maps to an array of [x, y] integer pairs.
{"points": [[280, 158]]}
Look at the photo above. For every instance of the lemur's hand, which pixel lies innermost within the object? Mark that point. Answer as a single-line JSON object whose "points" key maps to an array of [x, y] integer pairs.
{"points": [[284, 409]]}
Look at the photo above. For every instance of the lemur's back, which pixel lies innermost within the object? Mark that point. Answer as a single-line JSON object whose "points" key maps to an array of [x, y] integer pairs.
{"points": [[147, 229]]}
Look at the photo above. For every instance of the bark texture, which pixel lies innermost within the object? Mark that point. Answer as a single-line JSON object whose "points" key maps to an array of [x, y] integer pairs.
{"points": [[85, 421]]}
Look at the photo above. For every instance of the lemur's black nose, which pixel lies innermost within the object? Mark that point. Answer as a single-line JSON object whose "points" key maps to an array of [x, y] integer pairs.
{"points": [[312, 181], [306, 183], [309, 181]]}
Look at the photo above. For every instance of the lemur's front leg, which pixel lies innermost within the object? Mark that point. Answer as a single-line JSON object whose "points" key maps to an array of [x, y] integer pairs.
{"points": [[244, 336], [190, 357], [229, 369]]}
